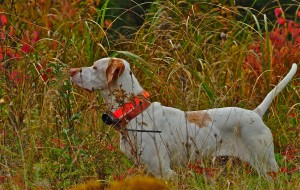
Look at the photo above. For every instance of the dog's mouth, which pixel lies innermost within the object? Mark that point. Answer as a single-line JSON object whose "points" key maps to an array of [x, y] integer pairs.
{"points": [[86, 89], [81, 85]]}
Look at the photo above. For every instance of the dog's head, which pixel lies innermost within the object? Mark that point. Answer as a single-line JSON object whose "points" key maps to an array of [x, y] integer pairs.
{"points": [[103, 74]]}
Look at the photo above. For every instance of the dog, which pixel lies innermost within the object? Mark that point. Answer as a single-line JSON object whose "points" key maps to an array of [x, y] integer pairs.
{"points": [[161, 137]]}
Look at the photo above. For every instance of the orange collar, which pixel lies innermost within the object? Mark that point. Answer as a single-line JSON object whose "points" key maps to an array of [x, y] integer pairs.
{"points": [[132, 109], [128, 111]]}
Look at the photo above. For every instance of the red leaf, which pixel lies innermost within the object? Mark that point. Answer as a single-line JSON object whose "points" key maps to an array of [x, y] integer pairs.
{"points": [[48, 70], [297, 40], [281, 21], [278, 12], [2, 178], [39, 67], [16, 76], [54, 45], [286, 170], [3, 19], [1, 56], [11, 31], [2, 35], [10, 53], [111, 147], [26, 48], [58, 142], [17, 56], [44, 77], [36, 36], [107, 23], [298, 13], [290, 26]]}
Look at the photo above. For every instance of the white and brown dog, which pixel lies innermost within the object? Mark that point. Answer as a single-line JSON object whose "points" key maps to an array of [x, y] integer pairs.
{"points": [[160, 137]]}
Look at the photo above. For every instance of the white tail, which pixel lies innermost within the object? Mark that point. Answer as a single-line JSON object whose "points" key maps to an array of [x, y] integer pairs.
{"points": [[263, 107]]}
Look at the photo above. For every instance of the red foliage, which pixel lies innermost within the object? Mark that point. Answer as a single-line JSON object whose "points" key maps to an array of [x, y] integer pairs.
{"points": [[68, 10], [291, 153], [281, 21], [286, 170], [197, 168], [29, 40], [26, 48], [2, 178], [3, 20], [284, 49], [278, 12], [129, 172], [16, 76], [107, 23], [44, 73], [12, 31], [1, 54], [2, 35], [59, 143], [111, 147]]}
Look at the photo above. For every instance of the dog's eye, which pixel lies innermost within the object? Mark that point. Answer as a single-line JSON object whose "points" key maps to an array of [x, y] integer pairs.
{"points": [[94, 67]]}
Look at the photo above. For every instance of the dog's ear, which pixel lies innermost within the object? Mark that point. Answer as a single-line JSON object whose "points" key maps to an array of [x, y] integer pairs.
{"points": [[114, 70]]}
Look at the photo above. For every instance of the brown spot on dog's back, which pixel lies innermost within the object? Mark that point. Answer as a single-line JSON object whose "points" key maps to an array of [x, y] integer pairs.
{"points": [[200, 118]]}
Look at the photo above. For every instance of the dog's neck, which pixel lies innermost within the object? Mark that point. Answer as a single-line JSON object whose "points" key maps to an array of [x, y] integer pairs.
{"points": [[121, 90]]}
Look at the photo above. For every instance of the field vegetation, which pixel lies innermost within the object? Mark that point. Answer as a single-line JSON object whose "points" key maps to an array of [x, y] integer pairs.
{"points": [[190, 55]]}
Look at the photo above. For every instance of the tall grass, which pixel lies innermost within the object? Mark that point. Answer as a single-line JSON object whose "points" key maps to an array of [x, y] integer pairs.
{"points": [[188, 56]]}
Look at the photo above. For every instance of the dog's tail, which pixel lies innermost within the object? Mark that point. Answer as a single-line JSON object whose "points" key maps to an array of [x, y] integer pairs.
{"points": [[263, 107]]}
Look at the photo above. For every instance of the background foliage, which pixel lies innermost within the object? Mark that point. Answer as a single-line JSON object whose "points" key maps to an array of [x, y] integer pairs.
{"points": [[188, 54]]}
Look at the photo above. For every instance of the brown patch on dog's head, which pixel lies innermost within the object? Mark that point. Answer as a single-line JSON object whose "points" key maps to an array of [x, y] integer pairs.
{"points": [[114, 70], [200, 118]]}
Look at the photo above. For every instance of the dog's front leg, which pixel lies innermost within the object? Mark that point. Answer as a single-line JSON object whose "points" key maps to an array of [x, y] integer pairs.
{"points": [[157, 162], [151, 153]]}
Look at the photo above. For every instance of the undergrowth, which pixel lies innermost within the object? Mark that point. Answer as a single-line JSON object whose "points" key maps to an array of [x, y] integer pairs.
{"points": [[190, 56]]}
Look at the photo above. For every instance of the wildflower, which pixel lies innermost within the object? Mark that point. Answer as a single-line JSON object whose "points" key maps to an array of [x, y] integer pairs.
{"points": [[281, 21], [278, 12]]}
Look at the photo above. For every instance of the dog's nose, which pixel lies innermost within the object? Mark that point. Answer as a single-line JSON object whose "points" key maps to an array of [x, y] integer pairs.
{"points": [[74, 71]]}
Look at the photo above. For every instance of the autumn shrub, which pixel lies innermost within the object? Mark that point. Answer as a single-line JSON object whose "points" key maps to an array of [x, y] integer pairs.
{"points": [[278, 50]]}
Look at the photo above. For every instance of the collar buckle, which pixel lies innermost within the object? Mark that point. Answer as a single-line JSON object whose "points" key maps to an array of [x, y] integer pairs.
{"points": [[109, 118]]}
